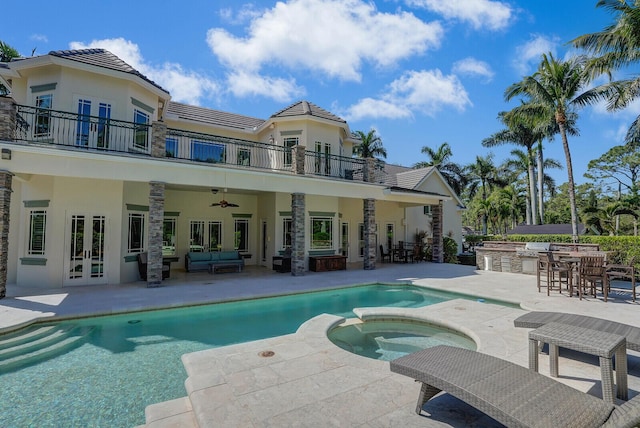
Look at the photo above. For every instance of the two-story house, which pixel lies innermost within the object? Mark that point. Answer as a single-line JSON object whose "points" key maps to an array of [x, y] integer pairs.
{"points": [[98, 165]]}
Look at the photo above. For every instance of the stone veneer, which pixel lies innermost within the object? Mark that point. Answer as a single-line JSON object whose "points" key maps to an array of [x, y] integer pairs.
{"points": [[298, 155], [7, 118], [159, 140], [369, 251], [6, 179], [156, 219], [437, 247], [369, 170], [298, 238]]}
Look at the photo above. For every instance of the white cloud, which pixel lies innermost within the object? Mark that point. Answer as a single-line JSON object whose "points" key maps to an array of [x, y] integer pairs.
{"points": [[335, 38], [473, 67], [39, 38], [251, 84], [184, 85], [493, 15], [529, 54], [426, 91], [246, 13]]}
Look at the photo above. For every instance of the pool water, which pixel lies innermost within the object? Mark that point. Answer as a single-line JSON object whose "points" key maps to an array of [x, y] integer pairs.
{"points": [[388, 340], [123, 363]]}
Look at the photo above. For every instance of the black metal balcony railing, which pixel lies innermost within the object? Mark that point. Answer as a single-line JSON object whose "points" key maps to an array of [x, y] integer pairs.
{"points": [[45, 126], [82, 131]]}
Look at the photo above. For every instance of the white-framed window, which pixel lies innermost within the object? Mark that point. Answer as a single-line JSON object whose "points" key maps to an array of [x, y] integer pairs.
{"points": [[205, 235], [42, 125], [321, 232], [241, 234], [287, 229], [37, 232], [288, 143], [171, 147], [390, 238], [243, 157], [169, 236], [428, 210], [141, 130], [204, 151], [323, 158], [135, 241]]}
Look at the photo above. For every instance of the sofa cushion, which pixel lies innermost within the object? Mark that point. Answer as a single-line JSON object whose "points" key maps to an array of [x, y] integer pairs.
{"points": [[229, 255], [215, 256], [199, 257]]}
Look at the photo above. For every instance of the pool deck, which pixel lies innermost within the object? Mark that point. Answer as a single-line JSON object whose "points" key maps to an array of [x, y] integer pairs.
{"points": [[309, 382]]}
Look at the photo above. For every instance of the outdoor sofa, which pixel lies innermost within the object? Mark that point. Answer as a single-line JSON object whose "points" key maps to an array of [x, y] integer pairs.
{"points": [[212, 260], [536, 319], [511, 394]]}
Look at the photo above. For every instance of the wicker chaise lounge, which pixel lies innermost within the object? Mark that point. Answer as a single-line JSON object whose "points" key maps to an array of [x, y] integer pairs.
{"points": [[509, 393], [537, 319]]}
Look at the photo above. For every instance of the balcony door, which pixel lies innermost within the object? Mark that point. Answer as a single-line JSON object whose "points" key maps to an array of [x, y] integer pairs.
{"points": [[92, 128], [85, 261]]}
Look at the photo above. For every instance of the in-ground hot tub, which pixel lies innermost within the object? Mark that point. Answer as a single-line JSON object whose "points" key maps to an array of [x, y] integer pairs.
{"points": [[390, 339]]}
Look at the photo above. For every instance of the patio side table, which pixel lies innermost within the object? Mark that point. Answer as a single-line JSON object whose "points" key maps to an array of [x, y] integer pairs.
{"points": [[602, 344]]}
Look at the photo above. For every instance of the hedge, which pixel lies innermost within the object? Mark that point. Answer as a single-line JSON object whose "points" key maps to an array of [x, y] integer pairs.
{"points": [[620, 248]]}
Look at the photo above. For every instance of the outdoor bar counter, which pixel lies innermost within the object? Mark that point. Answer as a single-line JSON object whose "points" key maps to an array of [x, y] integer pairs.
{"points": [[505, 256]]}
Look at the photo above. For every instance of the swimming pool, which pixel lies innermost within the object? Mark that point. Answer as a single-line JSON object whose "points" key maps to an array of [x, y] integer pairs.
{"points": [[122, 363]]}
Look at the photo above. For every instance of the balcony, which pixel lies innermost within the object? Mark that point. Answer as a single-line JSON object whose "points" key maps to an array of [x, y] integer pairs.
{"points": [[105, 135]]}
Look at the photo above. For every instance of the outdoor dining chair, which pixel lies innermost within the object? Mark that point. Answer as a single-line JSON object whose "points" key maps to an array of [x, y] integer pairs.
{"points": [[553, 272], [625, 272], [591, 271]]}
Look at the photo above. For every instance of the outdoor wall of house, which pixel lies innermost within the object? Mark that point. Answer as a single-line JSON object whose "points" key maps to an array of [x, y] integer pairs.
{"points": [[268, 211], [65, 197], [452, 214], [390, 213]]}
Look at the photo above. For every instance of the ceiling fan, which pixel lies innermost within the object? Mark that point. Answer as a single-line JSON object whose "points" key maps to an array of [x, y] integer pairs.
{"points": [[222, 203]]}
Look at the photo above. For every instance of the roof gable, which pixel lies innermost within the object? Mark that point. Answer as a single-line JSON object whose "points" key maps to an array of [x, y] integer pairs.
{"points": [[305, 108]]}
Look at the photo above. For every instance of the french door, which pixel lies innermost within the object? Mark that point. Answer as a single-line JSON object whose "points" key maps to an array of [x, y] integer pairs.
{"points": [[92, 129], [85, 258]]}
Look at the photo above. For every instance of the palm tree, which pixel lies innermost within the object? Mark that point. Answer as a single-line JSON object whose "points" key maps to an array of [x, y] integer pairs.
{"points": [[605, 220], [439, 158], [370, 145], [557, 86], [520, 132], [483, 173], [7, 53], [617, 46]]}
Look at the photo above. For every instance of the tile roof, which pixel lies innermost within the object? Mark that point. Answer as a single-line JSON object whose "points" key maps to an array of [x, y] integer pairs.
{"points": [[546, 229], [212, 117], [102, 58], [302, 108]]}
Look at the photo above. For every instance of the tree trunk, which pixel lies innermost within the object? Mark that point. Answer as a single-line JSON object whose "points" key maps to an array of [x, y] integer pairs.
{"points": [[572, 190], [532, 190], [540, 182]]}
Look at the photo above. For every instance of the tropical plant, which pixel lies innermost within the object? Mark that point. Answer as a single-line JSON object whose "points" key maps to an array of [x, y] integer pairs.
{"points": [[557, 85], [7, 53], [484, 175], [615, 47], [522, 133], [440, 158], [370, 145], [604, 220]]}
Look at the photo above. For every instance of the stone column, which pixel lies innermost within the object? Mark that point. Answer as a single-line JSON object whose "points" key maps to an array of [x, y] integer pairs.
{"points": [[158, 139], [369, 255], [298, 155], [298, 231], [5, 204], [437, 247], [7, 118], [156, 218], [369, 170]]}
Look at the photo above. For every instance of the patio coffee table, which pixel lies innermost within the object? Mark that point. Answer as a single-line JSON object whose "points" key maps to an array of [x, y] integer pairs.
{"points": [[602, 344]]}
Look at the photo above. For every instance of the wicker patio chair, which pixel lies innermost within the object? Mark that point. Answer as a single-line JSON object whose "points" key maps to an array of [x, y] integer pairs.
{"points": [[537, 319], [622, 272], [553, 271], [509, 393]]}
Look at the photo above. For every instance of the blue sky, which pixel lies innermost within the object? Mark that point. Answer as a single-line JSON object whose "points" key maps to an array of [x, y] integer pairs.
{"points": [[421, 72]]}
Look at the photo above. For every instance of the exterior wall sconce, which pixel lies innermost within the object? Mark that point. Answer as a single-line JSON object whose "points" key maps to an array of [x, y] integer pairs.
{"points": [[6, 154]]}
